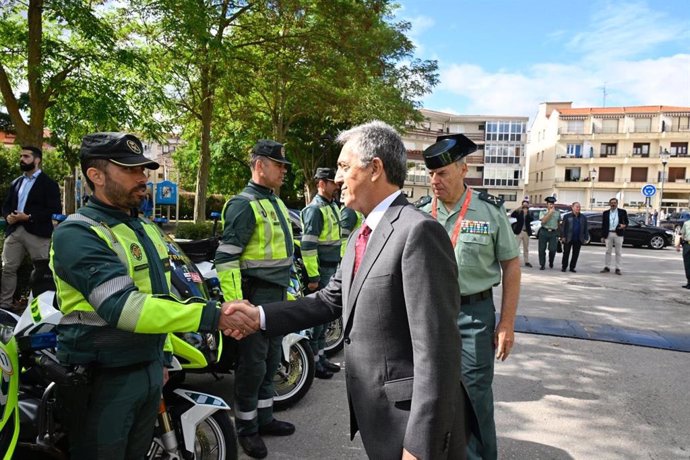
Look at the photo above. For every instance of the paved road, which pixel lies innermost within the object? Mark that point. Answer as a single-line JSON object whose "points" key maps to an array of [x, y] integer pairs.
{"points": [[558, 398]]}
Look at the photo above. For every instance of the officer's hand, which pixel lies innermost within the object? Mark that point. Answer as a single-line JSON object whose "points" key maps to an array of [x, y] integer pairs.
{"points": [[407, 455], [504, 338], [313, 286], [239, 319]]}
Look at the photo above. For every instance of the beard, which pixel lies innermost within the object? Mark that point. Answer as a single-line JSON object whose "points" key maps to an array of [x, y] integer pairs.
{"points": [[121, 197], [26, 166]]}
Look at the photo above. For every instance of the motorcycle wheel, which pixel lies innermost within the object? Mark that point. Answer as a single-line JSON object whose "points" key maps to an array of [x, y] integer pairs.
{"points": [[215, 439], [335, 334], [294, 378]]}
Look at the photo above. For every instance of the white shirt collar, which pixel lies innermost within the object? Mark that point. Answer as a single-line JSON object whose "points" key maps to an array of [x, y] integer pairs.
{"points": [[374, 217]]}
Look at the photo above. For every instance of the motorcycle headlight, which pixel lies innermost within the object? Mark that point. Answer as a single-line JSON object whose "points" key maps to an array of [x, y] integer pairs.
{"points": [[6, 333]]}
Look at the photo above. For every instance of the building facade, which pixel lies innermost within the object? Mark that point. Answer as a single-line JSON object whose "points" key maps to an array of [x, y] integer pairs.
{"points": [[592, 154], [496, 166]]}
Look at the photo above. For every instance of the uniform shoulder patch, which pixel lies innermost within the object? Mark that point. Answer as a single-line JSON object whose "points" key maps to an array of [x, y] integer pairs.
{"points": [[494, 200]]}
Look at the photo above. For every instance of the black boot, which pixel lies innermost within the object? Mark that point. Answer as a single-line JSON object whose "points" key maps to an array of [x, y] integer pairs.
{"points": [[329, 366], [321, 372], [253, 445]]}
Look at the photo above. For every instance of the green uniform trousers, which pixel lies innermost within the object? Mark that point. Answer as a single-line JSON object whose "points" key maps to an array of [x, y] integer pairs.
{"points": [[257, 362], [549, 238], [113, 418], [686, 260], [317, 342], [477, 323]]}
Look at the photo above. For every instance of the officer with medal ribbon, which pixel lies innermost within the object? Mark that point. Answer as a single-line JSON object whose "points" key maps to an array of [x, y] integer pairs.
{"points": [[548, 233], [486, 253]]}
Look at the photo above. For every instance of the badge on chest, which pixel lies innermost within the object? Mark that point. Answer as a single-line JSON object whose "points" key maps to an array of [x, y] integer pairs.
{"points": [[475, 227]]}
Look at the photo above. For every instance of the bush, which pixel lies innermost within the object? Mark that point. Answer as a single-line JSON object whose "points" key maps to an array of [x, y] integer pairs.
{"points": [[192, 231], [213, 203]]}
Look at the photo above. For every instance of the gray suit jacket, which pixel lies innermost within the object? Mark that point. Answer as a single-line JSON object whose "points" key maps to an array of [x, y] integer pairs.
{"points": [[402, 344]]}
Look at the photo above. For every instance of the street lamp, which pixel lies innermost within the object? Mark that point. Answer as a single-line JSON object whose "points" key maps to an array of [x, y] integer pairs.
{"points": [[664, 161], [592, 178]]}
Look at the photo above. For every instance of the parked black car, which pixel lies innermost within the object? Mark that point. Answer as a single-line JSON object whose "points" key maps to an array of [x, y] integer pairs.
{"points": [[636, 234]]}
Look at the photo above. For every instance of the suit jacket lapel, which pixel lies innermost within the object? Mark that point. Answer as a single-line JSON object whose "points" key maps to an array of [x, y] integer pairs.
{"points": [[376, 243]]}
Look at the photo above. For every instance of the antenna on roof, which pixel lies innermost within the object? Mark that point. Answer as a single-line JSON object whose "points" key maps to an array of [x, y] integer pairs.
{"points": [[603, 94]]}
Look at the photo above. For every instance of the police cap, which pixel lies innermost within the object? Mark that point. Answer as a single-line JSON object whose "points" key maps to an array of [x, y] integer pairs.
{"points": [[119, 148], [325, 174], [447, 150], [271, 149], [550, 199]]}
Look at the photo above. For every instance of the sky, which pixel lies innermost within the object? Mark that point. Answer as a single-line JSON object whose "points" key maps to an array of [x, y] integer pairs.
{"points": [[505, 57]]}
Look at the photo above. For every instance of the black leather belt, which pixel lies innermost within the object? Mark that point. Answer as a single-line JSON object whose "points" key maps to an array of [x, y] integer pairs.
{"points": [[473, 298]]}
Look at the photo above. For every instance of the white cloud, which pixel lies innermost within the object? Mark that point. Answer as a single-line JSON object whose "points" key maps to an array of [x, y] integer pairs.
{"points": [[419, 24]]}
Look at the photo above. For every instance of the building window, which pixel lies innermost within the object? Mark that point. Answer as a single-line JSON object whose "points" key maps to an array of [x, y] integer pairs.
{"points": [[606, 174], [640, 149], [541, 176], [608, 149], [576, 127], [676, 174], [643, 125], [680, 124], [574, 150], [609, 125], [638, 174], [679, 149], [505, 131], [498, 176], [572, 174]]}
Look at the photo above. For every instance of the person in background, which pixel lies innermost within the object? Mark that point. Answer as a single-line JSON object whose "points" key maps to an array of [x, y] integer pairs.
{"points": [[548, 233], [28, 208], [321, 241], [684, 241], [146, 207], [523, 229], [574, 233], [613, 224], [486, 253]]}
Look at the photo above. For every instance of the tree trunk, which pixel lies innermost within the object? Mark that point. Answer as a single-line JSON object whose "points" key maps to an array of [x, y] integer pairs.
{"points": [[205, 157]]}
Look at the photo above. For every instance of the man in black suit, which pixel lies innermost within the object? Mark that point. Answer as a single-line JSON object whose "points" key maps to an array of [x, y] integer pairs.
{"points": [[613, 224], [397, 291], [522, 227], [29, 205]]}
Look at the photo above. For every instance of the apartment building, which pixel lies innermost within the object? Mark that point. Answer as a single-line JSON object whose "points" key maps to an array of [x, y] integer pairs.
{"points": [[497, 165], [162, 153], [592, 154]]}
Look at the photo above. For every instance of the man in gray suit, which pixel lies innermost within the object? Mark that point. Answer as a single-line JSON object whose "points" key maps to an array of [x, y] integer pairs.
{"points": [[399, 297]]}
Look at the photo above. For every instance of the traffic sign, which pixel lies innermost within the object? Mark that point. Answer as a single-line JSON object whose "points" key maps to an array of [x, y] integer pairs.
{"points": [[649, 190]]}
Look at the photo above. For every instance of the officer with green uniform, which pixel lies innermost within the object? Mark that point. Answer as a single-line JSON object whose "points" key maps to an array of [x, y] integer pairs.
{"points": [[112, 274], [548, 233], [486, 253], [350, 220], [684, 240], [321, 255], [253, 262]]}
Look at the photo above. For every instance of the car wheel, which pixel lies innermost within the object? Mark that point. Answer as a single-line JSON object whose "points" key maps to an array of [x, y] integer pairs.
{"points": [[657, 242]]}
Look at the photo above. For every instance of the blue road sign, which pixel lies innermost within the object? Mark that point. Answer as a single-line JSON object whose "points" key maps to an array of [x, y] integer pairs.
{"points": [[649, 190]]}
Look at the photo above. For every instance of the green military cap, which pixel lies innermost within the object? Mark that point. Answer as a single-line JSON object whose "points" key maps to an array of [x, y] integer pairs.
{"points": [[271, 149], [550, 199], [120, 148], [447, 150], [325, 174]]}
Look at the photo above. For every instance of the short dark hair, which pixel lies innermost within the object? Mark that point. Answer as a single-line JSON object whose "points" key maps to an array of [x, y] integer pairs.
{"points": [[37, 153], [97, 163]]}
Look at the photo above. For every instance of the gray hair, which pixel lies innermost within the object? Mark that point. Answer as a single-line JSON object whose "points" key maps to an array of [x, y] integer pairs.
{"points": [[376, 139]]}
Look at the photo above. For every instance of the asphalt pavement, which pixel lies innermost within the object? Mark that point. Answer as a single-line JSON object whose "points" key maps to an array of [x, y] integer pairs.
{"points": [[556, 397]]}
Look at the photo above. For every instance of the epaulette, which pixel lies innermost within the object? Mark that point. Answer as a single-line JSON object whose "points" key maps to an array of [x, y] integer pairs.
{"points": [[494, 200]]}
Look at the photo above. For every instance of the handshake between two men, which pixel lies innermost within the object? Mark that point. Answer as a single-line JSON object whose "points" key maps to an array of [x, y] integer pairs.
{"points": [[239, 319]]}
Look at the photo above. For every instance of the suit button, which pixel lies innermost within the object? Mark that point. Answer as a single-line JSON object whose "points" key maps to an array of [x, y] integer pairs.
{"points": [[347, 341]]}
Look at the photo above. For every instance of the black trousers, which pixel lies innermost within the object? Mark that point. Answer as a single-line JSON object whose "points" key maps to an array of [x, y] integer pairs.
{"points": [[686, 260], [575, 245]]}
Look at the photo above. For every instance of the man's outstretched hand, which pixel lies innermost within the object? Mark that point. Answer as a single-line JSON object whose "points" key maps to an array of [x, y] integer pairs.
{"points": [[239, 319]]}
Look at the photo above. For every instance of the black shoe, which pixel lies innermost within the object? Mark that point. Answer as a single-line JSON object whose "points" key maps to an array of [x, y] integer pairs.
{"points": [[527, 264], [605, 270], [253, 445], [541, 268], [321, 372], [618, 271], [573, 270], [563, 269], [550, 264], [686, 286], [277, 428], [329, 366]]}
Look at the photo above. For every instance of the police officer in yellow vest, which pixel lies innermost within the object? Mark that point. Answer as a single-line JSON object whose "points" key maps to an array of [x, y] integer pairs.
{"points": [[112, 274], [350, 220], [253, 262], [486, 253], [321, 254]]}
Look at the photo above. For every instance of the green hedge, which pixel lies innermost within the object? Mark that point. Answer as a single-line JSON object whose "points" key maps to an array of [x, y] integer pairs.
{"points": [[192, 231]]}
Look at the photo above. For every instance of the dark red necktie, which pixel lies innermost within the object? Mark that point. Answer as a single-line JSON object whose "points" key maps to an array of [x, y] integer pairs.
{"points": [[361, 245]]}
